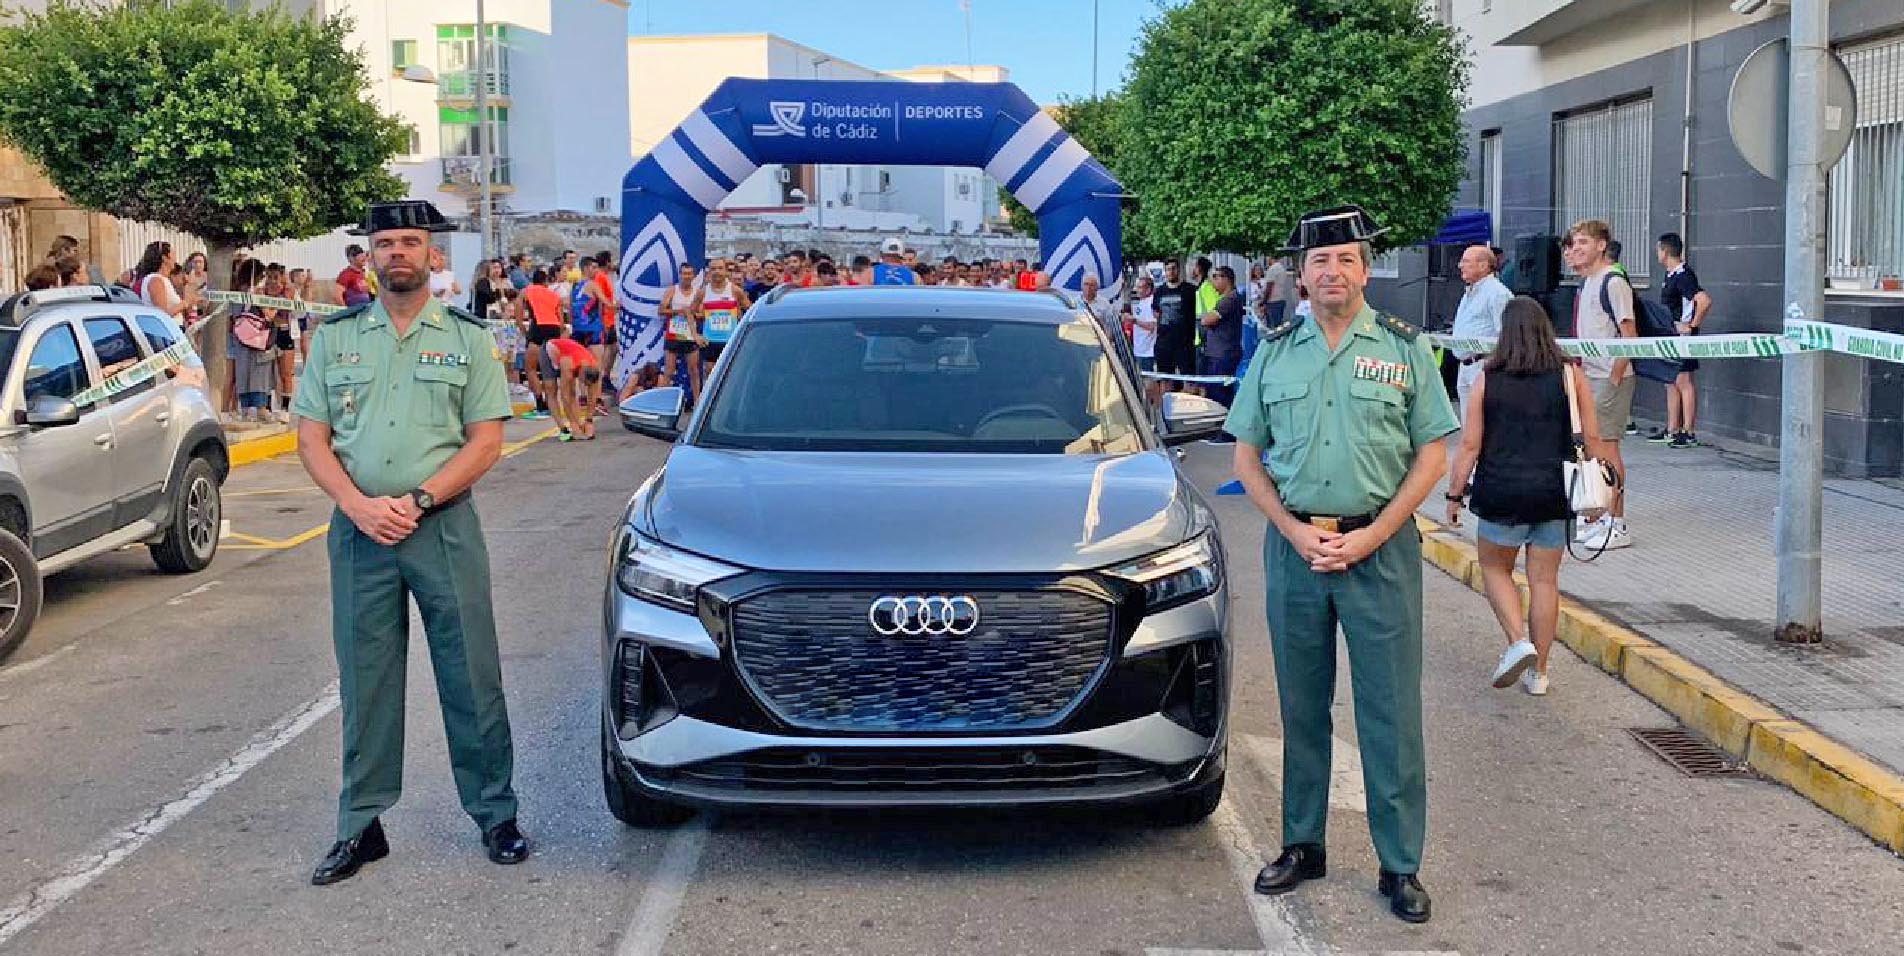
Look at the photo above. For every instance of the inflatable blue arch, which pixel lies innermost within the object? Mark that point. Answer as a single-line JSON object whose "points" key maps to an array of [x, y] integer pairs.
{"points": [[746, 124]]}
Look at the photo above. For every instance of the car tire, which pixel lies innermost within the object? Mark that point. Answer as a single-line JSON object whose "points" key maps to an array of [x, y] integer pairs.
{"points": [[628, 802], [1189, 807], [19, 592], [191, 539]]}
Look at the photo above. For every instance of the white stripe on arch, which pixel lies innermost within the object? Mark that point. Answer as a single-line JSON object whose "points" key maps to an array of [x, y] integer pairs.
{"points": [[715, 145], [1052, 173], [687, 174], [1018, 150]]}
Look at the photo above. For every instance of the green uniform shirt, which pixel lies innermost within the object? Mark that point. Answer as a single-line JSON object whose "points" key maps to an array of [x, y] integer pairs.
{"points": [[397, 406], [1341, 427]]}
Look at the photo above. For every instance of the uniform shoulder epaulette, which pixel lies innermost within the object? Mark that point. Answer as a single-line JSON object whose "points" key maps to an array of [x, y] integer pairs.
{"points": [[1282, 331], [1399, 327], [350, 313], [465, 315]]}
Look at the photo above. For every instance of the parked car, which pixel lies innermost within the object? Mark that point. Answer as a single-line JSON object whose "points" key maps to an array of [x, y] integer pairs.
{"points": [[100, 446], [916, 547]]}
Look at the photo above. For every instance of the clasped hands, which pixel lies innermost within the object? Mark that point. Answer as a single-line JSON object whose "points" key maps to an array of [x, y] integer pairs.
{"points": [[386, 521], [1331, 552]]}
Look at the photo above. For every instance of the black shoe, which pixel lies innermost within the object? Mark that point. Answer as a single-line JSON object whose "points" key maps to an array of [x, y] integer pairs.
{"points": [[1300, 862], [348, 856], [1659, 436], [1406, 899], [506, 844], [1683, 440]]}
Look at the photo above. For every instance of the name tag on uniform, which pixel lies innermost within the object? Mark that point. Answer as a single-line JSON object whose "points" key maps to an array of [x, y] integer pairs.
{"points": [[1376, 370], [447, 359]]}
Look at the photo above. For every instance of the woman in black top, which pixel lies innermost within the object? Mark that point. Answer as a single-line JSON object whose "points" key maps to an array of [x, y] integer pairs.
{"points": [[1516, 436]]}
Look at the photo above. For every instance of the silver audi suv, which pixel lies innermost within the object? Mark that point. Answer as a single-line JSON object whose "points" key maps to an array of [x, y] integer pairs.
{"points": [[916, 547]]}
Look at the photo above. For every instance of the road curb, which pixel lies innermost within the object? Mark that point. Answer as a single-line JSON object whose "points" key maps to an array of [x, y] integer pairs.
{"points": [[1839, 780], [254, 450]]}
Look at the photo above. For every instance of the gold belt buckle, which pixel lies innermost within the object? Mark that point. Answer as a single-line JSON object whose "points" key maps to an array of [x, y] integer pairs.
{"points": [[1331, 525]]}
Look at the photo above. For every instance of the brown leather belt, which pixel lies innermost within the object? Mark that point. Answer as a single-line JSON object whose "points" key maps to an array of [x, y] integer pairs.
{"points": [[1335, 524]]}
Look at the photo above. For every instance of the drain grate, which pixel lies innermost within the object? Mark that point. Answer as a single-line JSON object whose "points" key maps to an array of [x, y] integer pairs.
{"points": [[1689, 752]]}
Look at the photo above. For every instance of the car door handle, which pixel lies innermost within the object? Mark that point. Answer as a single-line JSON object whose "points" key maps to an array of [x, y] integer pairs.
{"points": [[103, 441], [162, 417]]}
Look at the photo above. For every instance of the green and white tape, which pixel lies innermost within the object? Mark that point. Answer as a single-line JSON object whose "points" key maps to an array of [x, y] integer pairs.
{"points": [[272, 302], [136, 374], [1731, 345], [1827, 336]]}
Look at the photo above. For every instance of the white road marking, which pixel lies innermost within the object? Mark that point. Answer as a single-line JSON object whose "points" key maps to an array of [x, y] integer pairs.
{"points": [[201, 589], [1158, 951], [653, 922], [28, 667], [1345, 769], [1275, 926], [27, 908]]}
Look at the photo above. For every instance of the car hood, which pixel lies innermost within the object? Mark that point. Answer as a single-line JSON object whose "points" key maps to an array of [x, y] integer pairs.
{"points": [[920, 513]]}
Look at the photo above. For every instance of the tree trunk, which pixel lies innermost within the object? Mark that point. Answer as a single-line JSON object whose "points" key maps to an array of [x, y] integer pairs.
{"points": [[217, 332]]}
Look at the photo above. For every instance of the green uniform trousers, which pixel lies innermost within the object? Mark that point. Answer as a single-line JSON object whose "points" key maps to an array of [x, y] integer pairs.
{"points": [[445, 566], [1377, 603]]}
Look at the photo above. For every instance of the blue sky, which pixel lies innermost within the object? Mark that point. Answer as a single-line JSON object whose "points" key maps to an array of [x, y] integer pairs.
{"points": [[1045, 43]]}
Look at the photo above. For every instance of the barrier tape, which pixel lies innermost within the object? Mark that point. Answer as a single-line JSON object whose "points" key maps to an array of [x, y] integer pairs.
{"points": [[1730, 345], [273, 302], [1827, 336], [1196, 379], [136, 374]]}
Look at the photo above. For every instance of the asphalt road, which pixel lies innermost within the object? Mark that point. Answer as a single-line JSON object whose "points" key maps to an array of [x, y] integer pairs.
{"points": [[168, 769]]}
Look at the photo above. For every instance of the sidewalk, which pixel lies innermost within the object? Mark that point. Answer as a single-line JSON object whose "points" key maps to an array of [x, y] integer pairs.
{"points": [[1701, 581]]}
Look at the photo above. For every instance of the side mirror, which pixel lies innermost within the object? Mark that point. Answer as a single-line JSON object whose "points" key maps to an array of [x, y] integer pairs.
{"points": [[655, 413], [1183, 418], [51, 411]]}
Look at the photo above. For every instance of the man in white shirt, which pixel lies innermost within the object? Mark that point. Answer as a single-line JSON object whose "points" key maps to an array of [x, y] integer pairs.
{"points": [[1612, 379], [1478, 316]]}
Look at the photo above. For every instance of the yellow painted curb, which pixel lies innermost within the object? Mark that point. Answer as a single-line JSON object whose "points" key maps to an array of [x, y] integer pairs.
{"points": [[1839, 780], [259, 449]]}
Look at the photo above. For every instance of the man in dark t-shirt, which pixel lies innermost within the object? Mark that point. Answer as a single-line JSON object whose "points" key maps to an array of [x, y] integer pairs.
{"points": [[1687, 300], [1222, 339], [1175, 306]]}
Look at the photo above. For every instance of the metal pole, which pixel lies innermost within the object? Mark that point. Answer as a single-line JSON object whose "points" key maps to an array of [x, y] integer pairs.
{"points": [[484, 129], [1801, 437]]}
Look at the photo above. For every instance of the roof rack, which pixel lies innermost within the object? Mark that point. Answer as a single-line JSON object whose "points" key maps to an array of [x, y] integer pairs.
{"points": [[18, 309]]}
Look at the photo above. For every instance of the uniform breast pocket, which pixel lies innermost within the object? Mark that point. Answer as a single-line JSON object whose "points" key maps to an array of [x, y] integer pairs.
{"points": [[1290, 417], [1381, 412], [346, 387], [439, 399]]}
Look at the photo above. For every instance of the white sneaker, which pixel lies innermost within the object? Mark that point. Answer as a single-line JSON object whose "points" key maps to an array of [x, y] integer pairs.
{"points": [[1534, 683], [1515, 661], [1591, 529], [1610, 539]]}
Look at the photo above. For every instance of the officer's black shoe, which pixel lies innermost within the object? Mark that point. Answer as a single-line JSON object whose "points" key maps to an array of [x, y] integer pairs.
{"points": [[506, 844], [1406, 899], [1299, 862], [348, 856]]}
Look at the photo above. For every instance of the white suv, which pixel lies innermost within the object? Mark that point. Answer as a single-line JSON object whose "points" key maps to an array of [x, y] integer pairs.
{"points": [[107, 439]]}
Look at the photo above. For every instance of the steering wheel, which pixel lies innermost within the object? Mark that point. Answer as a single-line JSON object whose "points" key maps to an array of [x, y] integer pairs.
{"points": [[1018, 411]]}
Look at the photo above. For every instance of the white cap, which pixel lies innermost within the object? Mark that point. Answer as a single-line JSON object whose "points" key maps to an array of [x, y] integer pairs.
{"points": [[892, 247]]}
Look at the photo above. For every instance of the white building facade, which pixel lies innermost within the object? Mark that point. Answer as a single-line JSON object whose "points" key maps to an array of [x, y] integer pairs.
{"points": [[668, 76]]}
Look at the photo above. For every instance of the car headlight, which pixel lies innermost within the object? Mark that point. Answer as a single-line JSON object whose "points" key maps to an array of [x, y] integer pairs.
{"points": [[1183, 573], [652, 571]]}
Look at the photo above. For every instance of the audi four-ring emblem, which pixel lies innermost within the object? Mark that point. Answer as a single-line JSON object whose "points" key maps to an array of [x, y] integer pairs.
{"points": [[892, 615]]}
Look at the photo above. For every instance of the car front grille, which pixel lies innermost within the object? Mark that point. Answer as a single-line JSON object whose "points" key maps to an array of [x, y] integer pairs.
{"points": [[919, 771], [816, 662]]}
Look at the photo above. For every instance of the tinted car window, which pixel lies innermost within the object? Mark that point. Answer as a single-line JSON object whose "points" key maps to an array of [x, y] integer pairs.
{"points": [[56, 368], [938, 384], [157, 332], [117, 349]]}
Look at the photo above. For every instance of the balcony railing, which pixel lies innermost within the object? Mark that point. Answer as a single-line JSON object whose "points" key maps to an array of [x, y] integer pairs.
{"points": [[461, 85], [464, 173]]}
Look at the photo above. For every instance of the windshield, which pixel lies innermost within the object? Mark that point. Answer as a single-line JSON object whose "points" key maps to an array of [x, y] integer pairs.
{"points": [[937, 384], [9, 341]]}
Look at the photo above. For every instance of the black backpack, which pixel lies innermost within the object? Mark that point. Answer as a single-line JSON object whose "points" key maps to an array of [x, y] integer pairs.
{"points": [[1652, 320]]}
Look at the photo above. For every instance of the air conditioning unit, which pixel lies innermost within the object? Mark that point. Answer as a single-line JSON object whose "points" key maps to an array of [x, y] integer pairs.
{"points": [[965, 188], [846, 198], [601, 204]]}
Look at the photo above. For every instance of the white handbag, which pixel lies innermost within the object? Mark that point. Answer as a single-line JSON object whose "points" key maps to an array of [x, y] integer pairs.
{"points": [[1589, 481]]}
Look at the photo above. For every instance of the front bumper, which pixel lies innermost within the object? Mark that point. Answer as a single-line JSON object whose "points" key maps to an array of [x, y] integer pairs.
{"points": [[1150, 725]]}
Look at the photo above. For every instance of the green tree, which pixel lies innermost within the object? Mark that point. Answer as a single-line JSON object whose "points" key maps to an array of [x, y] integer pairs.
{"points": [[1246, 113], [239, 126], [1095, 124]]}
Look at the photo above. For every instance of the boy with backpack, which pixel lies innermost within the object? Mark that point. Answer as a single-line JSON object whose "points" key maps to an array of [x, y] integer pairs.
{"points": [[1605, 308]]}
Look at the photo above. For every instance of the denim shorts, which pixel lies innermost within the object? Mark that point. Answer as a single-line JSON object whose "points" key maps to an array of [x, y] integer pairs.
{"points": [[1147, 363], [1546, 534]]}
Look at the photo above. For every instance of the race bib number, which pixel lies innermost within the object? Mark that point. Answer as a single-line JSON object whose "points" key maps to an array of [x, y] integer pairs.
{"points": [[680, 327], [721, 322]]}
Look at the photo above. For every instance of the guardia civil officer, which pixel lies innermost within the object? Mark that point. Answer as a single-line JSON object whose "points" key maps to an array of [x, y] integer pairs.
{"points": [[1350, 408], [401, 406]]}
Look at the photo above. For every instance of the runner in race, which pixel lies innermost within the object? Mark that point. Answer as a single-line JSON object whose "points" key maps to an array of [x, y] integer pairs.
{"points": [[682, 341], [723, 302], [578, 387], [540, 312]]}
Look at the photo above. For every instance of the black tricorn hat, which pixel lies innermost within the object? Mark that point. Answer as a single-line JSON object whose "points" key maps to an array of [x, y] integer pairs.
{"points": [[1335, 226], [403, 214]]}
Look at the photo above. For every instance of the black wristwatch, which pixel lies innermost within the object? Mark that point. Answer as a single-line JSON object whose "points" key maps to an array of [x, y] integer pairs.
{"points": [[1455, 498], [424, 500]]}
